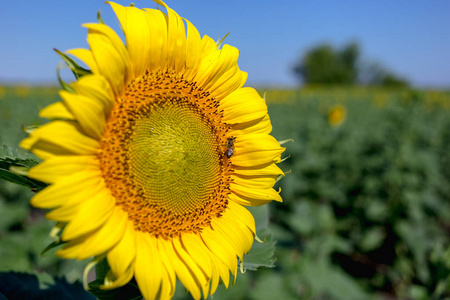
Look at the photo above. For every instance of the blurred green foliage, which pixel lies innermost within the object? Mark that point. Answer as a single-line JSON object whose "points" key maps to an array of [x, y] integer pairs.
{"points": [[366, 211], [367, 203]]}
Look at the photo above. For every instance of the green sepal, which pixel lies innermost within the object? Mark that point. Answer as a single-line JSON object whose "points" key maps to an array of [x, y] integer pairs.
{"points": [[73, 66], [101, 269], [287, 157], [285, 141], [219, 43], [99, 17], [63, 84], [29, 129], [51, 246]]}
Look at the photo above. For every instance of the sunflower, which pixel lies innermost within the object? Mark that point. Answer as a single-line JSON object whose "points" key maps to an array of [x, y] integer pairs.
{"points": [[336, 115], [153, 154]]}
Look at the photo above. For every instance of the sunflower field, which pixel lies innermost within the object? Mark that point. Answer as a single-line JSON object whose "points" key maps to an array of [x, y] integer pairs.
{"points": [[366, 200]]}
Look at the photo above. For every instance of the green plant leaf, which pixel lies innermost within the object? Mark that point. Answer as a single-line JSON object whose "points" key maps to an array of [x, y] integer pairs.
{"points": [[12, 158], [30, 286], [129, 291], [261, 254]]}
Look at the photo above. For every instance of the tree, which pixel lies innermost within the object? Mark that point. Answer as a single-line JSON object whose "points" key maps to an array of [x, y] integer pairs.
{"points": [[374, 74], [329, 66], [325, 65]]}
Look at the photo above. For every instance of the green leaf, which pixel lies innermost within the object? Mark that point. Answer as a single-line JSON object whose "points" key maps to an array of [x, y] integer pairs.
{"points": [[271, 285], [372, 239], [30, 286], [326, 279], [129, 291], [17, 179], [12, 158], [261, 254]]}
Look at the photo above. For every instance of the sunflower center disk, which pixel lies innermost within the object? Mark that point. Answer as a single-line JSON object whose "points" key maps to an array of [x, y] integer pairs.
{"points": [[162, 156], [173, 158]]}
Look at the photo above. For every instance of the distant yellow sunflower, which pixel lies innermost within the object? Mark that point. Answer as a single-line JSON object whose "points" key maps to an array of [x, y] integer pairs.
{"points": [[337, 115], [152, 157]]}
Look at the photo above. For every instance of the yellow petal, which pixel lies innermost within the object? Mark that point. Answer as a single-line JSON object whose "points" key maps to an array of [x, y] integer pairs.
{"points": [[245, 201], [157, 52], [110, 55], [176, 40], [208, 46], [58, 167], [96, 87], [220, 248], [99, 241], [85, 56], [170, 279], [69, 209], [67, 191], [137, 34], [189, 261], [216, 65], [149, 268], [62, 213], [244, 222], [224, 274], [122, 256], [191, 265], [270, 169], [112, 282], [219, 270], [259, 182], [92, 213], [43, 149], [28, 143], [65, 135], [196, 248], [243, 105], [183, 268], [256, 126], [193, 50], [56, 110], [260, 195], [230, 81], [256, 149], [88, 112], [229, 235]]}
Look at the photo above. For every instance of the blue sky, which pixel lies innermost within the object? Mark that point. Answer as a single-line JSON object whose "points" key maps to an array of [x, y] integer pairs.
{"points": [[411, 38]]}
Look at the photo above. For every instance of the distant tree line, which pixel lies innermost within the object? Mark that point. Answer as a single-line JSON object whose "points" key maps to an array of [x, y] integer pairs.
{"points": [[326, 65]]}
